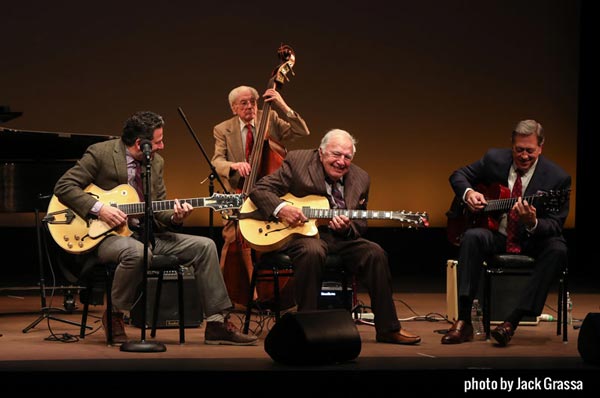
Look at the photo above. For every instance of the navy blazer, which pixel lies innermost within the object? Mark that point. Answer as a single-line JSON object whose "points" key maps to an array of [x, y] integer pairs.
{"points": [[494, 167]]}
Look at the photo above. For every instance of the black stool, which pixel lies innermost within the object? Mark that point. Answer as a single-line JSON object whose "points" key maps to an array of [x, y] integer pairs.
{"points": [[91, 263], [270, 267], [518, 264]]}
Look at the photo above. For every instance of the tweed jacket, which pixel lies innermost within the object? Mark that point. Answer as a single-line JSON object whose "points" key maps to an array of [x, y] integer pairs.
{"points": [[228, 142], [104, 164]]}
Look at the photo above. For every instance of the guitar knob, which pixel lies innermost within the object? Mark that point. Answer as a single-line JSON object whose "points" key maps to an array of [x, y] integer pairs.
{"points": [[77, 237], [268, 226], [80, 244], [260, 230], [65, 238], [70, 245]]}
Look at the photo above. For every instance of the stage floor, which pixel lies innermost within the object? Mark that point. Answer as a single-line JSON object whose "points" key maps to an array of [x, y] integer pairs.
{"points": [[535, 351]]}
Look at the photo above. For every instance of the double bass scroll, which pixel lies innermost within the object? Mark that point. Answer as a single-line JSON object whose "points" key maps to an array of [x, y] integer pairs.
{"points": [[268, 154]]}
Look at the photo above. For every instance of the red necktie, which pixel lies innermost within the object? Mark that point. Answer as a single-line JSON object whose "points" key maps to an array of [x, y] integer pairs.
{"points": [[512, 223], [249, 141]]}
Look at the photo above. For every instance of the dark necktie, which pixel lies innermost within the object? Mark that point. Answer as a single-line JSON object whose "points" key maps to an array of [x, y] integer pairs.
{"points": [[512, 223], [336, 194], [249, 141], [137, 181]]}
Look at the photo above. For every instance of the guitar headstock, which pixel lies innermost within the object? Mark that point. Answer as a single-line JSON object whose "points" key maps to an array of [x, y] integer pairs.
{"points": [[288, 59], [222, 201], [553, 200], [411, 218]]}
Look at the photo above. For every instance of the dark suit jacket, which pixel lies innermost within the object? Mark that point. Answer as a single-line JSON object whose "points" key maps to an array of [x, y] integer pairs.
{"points": [[302, 174], [494, 167], [228, 142], [104, 164]]}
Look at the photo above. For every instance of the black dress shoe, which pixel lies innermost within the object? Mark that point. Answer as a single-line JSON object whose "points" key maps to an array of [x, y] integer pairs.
{"points": [[458, 333], [503, 333]]}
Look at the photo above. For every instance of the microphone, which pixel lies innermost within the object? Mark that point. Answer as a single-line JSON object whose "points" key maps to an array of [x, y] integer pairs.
{"points": [[146, 147]]}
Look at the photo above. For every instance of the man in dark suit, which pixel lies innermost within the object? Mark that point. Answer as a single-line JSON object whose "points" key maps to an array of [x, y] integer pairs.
{"points": [[111, 163], [328, 171], [527, 230]]}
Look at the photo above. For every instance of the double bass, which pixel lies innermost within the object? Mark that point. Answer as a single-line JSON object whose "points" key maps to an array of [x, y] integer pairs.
{"points": [[266, 157]]}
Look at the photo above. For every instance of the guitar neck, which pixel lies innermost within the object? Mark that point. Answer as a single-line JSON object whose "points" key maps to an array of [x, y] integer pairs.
{"points": [[504, 205], [357, 214], [160, 205]]}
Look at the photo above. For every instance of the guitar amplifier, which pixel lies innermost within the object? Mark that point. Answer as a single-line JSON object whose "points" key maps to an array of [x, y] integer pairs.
{"points": [[505, 292], [168, 312]]}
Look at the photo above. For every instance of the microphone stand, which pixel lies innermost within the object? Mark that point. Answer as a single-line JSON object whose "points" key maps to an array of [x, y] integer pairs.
{"points": [[143, 345], [46, 312], [211, 177]]}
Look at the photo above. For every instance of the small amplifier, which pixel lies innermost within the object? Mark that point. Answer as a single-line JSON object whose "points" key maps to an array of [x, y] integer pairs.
{"points": [[331, 296], [168, 313]]}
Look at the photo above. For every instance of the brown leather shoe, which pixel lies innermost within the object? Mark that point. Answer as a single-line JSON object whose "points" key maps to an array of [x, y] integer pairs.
{"points": [[458, 333], [399, 337], [226, 333], [118, 327], [503, 333]]}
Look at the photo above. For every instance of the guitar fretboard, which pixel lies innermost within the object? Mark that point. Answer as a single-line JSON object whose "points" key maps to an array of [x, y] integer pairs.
{"points": [[507, 203], [157, 206], [403, 216]]}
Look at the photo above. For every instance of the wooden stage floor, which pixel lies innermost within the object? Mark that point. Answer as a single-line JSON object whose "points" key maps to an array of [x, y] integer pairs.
{"points": [[534, 352]]}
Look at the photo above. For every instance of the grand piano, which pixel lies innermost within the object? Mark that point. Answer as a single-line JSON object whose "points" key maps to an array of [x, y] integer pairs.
{"points": [[32, 161]]}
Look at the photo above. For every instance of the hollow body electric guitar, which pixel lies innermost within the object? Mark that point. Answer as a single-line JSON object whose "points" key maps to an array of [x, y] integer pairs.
{"points": [[271, 235], [77, 235]]}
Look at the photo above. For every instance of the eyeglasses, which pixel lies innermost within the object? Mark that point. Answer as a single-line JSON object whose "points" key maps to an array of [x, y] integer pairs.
{"points": [[244, 103], [339, 155]]}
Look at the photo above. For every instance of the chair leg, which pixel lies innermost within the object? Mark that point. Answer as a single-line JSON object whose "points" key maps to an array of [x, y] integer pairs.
{"points": [[250, 301], [159, 282], [86, 308], [109, 309], [180, 307], [276, 297], [565, 289]]}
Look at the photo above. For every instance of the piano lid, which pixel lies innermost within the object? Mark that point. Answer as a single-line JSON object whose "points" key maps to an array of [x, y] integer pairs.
{"points": [[6, 114], [32, 161]]}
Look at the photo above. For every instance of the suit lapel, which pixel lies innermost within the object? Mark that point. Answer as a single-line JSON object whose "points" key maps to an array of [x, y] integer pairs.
{"points": [[350, 192], [537, 178], [316, 174], [120, 161], [234, 140]]}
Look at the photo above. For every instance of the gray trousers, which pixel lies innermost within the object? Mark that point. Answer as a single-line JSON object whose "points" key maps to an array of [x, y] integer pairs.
{"points": [[197, 251]]}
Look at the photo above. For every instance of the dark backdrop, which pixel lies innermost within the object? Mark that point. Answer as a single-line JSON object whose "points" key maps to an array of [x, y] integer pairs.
{"points": [[425, 88]]}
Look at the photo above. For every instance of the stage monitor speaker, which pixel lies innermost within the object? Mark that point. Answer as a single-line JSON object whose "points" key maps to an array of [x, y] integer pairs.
{"points": [[588, 342], [168, 311], [314, 338]]}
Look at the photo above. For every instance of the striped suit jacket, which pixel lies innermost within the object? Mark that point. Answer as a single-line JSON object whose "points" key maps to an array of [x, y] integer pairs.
{"points": [[302, 174]]}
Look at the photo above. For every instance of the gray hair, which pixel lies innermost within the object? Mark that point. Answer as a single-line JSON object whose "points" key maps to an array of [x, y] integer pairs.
{"points": [[337, 133], [529, 127], [236, 92]]}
